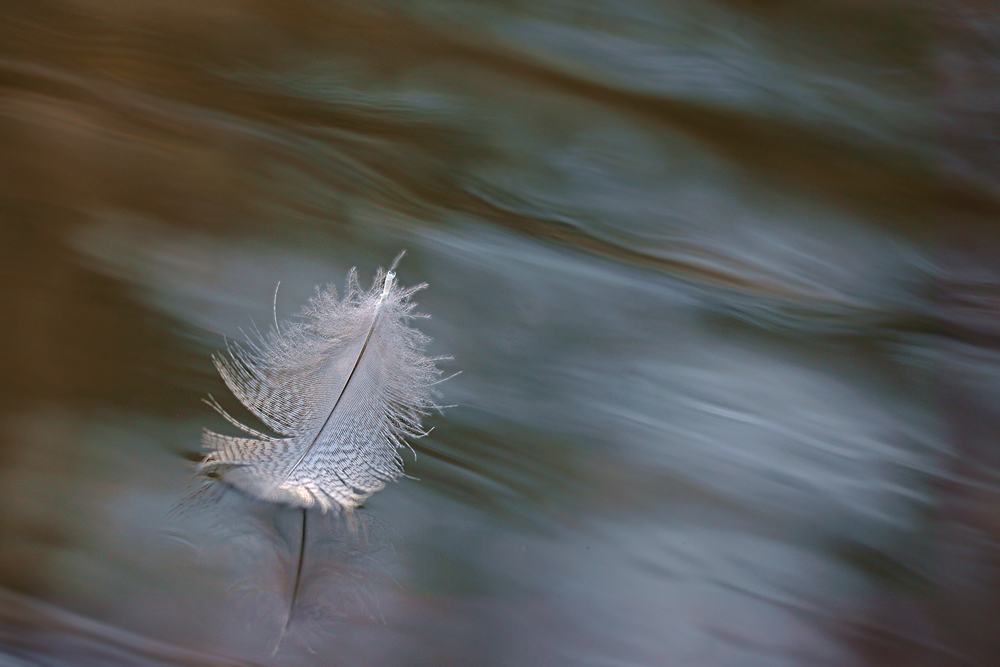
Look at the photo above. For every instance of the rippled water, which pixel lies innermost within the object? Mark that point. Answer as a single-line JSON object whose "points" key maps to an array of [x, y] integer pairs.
{"points": [[721, 279]]}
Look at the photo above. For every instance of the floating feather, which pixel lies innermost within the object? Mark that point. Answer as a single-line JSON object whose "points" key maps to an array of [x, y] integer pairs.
{"points": [[341, 386]]}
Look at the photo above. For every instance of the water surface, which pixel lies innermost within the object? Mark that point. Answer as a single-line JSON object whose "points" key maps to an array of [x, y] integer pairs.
{"points": [[720, 278]]}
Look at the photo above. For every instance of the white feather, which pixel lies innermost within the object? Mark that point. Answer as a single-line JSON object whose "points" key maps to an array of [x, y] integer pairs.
{"points": [[341, 387]]}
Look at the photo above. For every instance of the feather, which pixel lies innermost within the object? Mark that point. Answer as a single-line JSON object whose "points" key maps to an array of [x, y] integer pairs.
{"points": [[341, 386]]}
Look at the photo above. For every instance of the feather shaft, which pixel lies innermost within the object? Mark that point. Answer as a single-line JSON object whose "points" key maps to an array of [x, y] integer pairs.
{"points": [[364, 347]]}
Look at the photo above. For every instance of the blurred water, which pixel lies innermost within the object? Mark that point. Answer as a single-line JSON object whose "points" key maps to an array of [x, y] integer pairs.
{"points": [[721, 280]]}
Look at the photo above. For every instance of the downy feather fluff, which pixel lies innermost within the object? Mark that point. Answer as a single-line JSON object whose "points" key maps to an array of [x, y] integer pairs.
{"points": [[341, 386]]}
